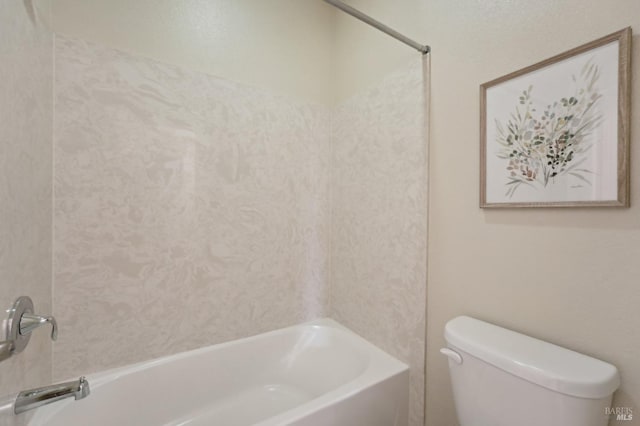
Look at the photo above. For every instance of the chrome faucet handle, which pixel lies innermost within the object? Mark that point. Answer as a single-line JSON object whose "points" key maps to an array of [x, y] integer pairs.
{"points": [[19, 325], [29, 322]]}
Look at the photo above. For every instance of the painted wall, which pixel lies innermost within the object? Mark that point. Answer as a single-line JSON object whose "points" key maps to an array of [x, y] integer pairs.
{"points": [[189, 210], [379, 220], [566, 276], [364, 56], [26, 65], [282, 45]]}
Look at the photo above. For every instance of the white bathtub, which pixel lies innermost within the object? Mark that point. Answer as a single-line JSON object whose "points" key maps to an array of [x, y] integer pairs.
{"points": [[312, 374]]}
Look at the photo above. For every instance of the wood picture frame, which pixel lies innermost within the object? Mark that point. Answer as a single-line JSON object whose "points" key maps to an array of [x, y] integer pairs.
{"points": [[556, 133]]}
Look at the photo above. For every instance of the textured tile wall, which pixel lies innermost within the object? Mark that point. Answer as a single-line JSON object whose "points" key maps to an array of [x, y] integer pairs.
{"points": [[189, 210], [26, 108], [379, 186]]}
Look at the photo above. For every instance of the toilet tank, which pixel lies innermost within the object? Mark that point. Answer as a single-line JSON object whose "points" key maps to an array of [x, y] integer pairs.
{"points": [[504, 378]]}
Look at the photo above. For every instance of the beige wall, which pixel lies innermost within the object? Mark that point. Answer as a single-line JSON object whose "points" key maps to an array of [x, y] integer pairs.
{"points": [[282, 45], [26, 65], [567, 276], [363, 56]]}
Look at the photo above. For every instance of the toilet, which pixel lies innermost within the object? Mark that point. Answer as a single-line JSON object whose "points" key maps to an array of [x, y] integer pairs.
{"points": [[503, 378]]}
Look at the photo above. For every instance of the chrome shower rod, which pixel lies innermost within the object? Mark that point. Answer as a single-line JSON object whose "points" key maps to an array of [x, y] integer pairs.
{"points": [[379, 25]]}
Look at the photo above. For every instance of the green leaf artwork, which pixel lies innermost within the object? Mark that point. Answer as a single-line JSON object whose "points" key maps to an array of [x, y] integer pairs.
{"points": [[541, 147]]}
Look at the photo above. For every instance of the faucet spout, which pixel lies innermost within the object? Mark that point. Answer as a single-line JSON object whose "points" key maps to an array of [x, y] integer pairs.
{"points": [[34, 398]]}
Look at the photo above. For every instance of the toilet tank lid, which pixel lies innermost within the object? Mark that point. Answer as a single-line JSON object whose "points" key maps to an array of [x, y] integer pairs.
{"points": [[534, 360]]}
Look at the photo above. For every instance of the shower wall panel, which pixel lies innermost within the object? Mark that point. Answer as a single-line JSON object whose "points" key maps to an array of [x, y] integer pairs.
{"points": [[189, 210], [26, 109], [379, 258]]}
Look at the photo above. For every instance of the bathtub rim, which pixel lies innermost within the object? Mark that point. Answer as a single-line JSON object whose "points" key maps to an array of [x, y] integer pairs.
{"points": [[381, 367]]}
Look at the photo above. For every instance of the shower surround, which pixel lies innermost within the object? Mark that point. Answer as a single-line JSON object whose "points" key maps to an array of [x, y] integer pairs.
{"points": [[379, 220], [26, 109], [190, 210]]}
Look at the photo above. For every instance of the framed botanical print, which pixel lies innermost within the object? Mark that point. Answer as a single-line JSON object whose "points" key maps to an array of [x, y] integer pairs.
{"points": [[556, 134]]}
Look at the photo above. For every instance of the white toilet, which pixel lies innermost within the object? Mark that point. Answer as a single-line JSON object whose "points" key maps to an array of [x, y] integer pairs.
{"points": [[504, 378]]}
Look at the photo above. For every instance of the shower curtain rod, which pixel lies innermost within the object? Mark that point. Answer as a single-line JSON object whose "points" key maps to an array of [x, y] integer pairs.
{"points": [[379, 25]]}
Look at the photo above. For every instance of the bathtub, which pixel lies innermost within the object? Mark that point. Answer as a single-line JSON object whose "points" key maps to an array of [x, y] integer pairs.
{"points": [[318, 373]]}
